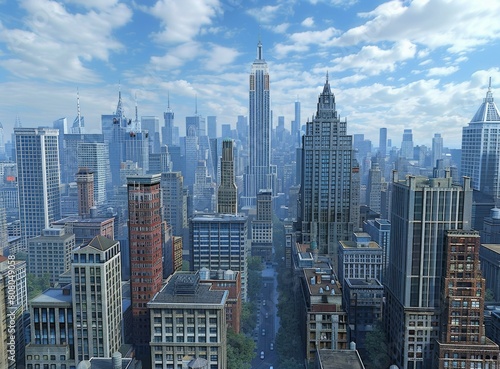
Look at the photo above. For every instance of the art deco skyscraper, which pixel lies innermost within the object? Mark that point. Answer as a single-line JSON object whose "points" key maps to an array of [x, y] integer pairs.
{"points": [[258, 175], [227, 193], [37, 153], [145, 228], [327, 170], [423, 209], [481, 148]]}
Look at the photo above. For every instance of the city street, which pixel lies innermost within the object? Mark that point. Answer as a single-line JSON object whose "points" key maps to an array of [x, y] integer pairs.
{"points": [[267, 321]]}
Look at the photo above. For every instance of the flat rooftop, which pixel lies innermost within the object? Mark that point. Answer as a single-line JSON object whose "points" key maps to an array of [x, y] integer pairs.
{"points": [[52, 296], [340, 359], [495, 247]]}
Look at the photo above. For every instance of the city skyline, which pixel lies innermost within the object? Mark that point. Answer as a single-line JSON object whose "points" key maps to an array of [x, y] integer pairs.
{"points": [[422, 65]]}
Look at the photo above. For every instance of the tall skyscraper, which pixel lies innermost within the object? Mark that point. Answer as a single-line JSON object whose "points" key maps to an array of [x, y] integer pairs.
{"points": [[327, 169], [258, 175], [480, 148], [227, 194], [97, 298], [422, 210], [152, 125], [212, 126], [437, 149], [37, 153], [2, 143], [374, 187], [382, 143], [167, 129], [174, 210], [295, 129], [462, 342], [407, 145], [95, 157], [145, 243]]}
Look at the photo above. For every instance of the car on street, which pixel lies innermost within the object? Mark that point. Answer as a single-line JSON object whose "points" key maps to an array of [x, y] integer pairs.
{"points": [[263, 332], [262, 354]]}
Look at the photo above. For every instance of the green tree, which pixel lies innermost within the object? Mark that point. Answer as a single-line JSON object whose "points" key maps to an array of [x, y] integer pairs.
{"points": [[377, 348], [290, 363], [248, 317], [240, 350], [36, 285], [254, 263]]}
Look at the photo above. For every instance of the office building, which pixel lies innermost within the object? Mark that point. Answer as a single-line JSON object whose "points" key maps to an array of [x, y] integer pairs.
{"points": [[53, 338], [85, 183], [296, 123], [220, 242], [327, 170], [382, 143], [360, 258], [97, 298], [258, 174], [407, 145], [462, 342], [145, 243], [167, 130], [489, 256], [174, 199], [422, 210], [188, 321], [204, 195], [480, 150], [262, 226], [212, 126], [380, 232], [227, 193], [374, 187], [230, 281], [151, 124], [50, 253], [37, 155], [437, 149], [490, 232]]}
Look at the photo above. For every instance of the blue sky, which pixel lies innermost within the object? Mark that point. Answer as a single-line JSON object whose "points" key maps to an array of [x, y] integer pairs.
{"points": [[421, 64]]}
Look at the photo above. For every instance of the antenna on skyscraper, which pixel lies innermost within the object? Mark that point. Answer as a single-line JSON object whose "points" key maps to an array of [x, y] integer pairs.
{"points": [[195, 104], [79, 116], [489, 85], [168, 99], [17, 123]]}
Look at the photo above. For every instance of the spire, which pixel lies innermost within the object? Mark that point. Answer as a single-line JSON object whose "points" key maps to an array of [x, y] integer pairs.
{"points": [[259, 50], [168, 100], [78, 123], [488, 111], [119, 106], [195, 104], [17, 123]]}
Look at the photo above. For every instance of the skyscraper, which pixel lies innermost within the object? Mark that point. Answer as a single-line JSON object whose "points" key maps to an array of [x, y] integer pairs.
{"points": [[382, 143], [437, 149], [97, 298], [85, 184], [462, 342], [327, 169], [145, 228], [95, 157], [480, 148], [227, 193], [422, 210], [174, 202], [295, 129], [37, 153], [407, 145], [167, 129], [374, 187], [258, 174]]}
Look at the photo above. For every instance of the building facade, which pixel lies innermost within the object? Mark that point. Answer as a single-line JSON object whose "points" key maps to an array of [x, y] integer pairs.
{"points": [[422, 210], [37, 156], [327, 162], [227, 194], [481, 148]]}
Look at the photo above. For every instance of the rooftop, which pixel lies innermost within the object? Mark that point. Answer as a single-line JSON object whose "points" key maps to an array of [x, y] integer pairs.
{"points": [[321, 281], [101, 243], [492, 246], [340, 359], [52, 296]]}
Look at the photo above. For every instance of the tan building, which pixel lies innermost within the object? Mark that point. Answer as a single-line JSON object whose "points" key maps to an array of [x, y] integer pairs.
{"points": [[188, 321], [97, 303]]}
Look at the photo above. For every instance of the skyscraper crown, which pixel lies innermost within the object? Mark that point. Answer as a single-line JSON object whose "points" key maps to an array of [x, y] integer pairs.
{"points": [[488, 111]]}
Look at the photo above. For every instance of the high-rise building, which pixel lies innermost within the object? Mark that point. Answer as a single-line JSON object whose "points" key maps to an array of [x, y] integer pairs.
{"points": [[295, 129], [374, 187], [258, 175], [227, 194], [37, 153], [489, 256], [327, 170], [220, 242], [85, 183], [203, 189], [407, 145], [167, 129], [97, 298], [462, 342], [95, 157], [437, 149], [382, 143], [480, 150], [380, 232], [145, 243], [262, 226], [152, 125], [174, 210], [50, 253], [422, 210], [188, 322], [212, 126]]}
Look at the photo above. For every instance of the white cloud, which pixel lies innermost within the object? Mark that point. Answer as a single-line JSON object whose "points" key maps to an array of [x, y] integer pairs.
{"points": [[300, 41], [373, 60], [266, 14], [308, 22], [56, 44], [177, 56], [183, 20], [459, 25], [280, 28], [219, 57], [442, 71]]}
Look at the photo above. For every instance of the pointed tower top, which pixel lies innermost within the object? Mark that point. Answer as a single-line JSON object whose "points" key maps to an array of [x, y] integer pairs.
{"points": [[168, 99], [259, 50], [488, 111], [136, 113], [17, 123], [78, 107], [195, 104], [119, 106], [326, 76]]}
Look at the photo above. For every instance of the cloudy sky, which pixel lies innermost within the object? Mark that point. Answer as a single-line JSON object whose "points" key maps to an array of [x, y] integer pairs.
{"points": [[421, 64]]}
